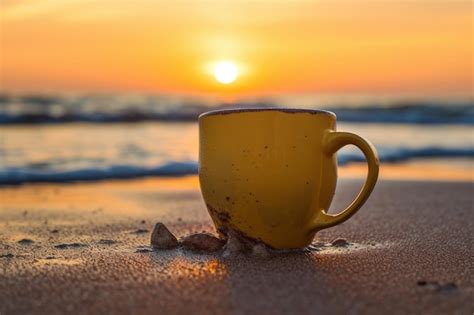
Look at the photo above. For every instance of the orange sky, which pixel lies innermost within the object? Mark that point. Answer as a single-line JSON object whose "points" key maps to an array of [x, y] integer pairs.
{"points": [[337, 46]]}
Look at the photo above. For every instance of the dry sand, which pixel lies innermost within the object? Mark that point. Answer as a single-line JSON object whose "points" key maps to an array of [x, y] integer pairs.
{"points": [[411, 252]]}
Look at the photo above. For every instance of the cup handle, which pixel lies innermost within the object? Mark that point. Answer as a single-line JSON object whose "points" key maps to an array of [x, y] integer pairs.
{"points": [[332, 142]]}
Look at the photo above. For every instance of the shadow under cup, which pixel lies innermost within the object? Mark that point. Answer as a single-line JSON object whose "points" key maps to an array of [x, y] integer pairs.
{"points": [[270, 174]]}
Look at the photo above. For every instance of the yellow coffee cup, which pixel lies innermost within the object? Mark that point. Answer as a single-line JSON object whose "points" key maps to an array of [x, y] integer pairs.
{"points": [[270, 173]]}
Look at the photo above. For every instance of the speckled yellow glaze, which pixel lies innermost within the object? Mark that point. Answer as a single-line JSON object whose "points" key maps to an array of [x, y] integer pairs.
{"points": [[271, 173]]}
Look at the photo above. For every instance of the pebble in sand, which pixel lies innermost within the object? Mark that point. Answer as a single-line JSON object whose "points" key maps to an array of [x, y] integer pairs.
{"points": [[202, 242], [340, 242], [162, 238]]}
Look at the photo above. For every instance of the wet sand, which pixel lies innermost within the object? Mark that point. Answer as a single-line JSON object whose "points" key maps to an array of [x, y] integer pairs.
{"points": [[410, 252]]}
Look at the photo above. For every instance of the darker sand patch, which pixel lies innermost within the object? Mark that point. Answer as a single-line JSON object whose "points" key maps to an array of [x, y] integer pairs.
{"points": [[139, 231], [107, 242], [435, 286], [26, 241], [9, 255], [143, 250], [70, 245]]}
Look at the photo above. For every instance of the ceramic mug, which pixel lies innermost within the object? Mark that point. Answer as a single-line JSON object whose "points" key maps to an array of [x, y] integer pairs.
{"points": [[270, 174]]}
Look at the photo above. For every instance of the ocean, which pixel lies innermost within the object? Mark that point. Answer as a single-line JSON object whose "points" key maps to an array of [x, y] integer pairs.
{"points": [[97, 137]]}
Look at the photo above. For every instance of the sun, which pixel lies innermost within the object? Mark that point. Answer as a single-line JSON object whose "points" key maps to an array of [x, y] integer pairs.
{"points": [[225, 72]]}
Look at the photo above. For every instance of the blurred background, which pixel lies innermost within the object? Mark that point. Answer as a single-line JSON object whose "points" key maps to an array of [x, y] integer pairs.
{"points": [[93, 90]]}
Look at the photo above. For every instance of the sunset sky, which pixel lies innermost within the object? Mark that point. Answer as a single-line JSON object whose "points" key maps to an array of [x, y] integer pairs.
{"points": [[345, 46]]}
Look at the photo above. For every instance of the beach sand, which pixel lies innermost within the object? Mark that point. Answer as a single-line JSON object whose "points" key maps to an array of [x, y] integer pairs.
{"points": [[411, 252]]}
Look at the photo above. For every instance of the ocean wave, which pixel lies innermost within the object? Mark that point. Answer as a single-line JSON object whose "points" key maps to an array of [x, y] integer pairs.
{"points": [[17, 175], [94, 109], [409, 114]]}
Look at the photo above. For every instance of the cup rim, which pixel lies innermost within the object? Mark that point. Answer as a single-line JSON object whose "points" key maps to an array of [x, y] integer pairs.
{"points": [[285, 110]]}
